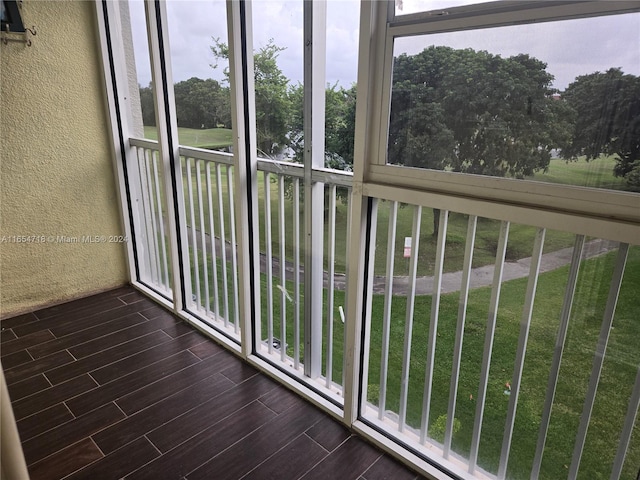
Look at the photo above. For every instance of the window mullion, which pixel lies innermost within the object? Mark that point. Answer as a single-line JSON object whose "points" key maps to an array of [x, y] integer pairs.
{"points": [[166, 121]]}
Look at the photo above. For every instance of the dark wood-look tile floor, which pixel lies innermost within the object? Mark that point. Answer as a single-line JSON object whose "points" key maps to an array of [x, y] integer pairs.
{"points": [[112, 386]]}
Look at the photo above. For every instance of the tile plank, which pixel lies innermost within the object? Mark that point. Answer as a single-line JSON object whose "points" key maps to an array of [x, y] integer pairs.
{"points": [[40, 365], [7, 334], [119, 463], [66, 461], [18, 320], [86, 335], [31, 340], [206, 349], [206, 397], [50, 396], [146, 357], [252, 450], [118, 311], [386, 468], [27, 387], [116, 338], [181, 428], [106, 357], [347, 462], [292, 461], [174, 383], [69, 307], [129, 383], [329, 433], [14, 359], [66, 320], [281, 399], [197, 450], [73, 431], [43, 421]]}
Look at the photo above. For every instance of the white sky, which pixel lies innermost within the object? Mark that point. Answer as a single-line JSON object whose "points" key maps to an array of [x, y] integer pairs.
{"points": [[570, 48]]}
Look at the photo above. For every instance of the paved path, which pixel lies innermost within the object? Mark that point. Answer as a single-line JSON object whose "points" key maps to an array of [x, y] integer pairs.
{"points": [[480, 276]]}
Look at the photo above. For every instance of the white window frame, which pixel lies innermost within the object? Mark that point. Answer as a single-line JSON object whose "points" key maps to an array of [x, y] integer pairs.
{"points": [[385, 26]]}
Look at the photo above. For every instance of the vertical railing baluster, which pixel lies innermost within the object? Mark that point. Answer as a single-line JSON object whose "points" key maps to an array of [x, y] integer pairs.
{"points": [[346, 292], [192, 226], [223, 247], [153, 220], [331, 260], [203, 238], [149, 264], [408, 329], [386, 316], [462, 314], [488, 344], [269, 259], [296, 272], [557, 354], [433, 324], [627, 429], [165, 267], [234, 249], [598, 359], [212, 237], [516, 379], [283, 270]]}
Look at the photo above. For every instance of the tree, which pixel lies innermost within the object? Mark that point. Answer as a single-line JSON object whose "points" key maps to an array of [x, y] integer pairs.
{"points": [[340, 115], [606, 109], [473, 112], [147, 105], [202, 104], [273, 107]]}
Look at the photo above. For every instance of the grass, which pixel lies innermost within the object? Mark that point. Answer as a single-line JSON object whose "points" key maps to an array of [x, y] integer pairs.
{"points": [[618, 374], [596, 173], [621, 361], [212, 138], [614, 391]]}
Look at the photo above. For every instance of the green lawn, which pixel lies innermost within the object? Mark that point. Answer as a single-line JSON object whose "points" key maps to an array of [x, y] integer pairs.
{"points": [[621, 363], [614, 391], [212, 138], [596, 173]]}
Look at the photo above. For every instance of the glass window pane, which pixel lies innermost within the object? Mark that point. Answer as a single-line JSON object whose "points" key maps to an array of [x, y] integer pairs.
{"points": [[199, 65], [278, 62], [553, 102], [406, 7]]}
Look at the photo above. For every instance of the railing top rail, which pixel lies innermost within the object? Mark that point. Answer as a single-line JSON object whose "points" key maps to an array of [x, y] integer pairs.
{"points": [[186, 151], [207, 155], [325, 175], [144, 143]]}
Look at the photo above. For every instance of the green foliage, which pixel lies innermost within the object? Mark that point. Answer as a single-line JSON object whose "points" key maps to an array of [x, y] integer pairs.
{"points": [[473, 112], [606, 114], [436, 431], [148, 106], [202, 104], [273, 105], [339, 123]]}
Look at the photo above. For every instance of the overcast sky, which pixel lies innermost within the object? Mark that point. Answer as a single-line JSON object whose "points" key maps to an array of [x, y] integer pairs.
{"points": [[570, 48]]}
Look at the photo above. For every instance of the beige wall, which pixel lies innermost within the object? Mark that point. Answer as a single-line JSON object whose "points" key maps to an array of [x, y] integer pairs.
{"points": [[56, 173]]}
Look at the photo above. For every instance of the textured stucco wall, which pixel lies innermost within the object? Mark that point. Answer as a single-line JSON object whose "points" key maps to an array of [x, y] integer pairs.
{"points": [[56, 174]]}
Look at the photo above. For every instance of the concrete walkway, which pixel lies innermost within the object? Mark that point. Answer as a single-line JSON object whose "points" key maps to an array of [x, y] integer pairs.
{"points": [[480, 276], [483, 276]]}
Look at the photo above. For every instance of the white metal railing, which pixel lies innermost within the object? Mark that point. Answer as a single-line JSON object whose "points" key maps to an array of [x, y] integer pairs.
{"points": [[210, 223], [284, 336], [209, 220], [412, 408], [150, 207]]}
